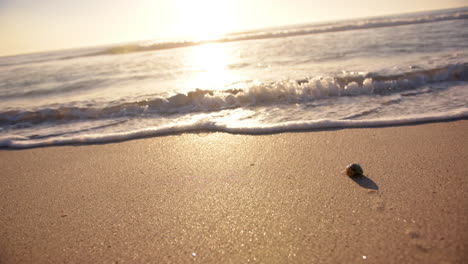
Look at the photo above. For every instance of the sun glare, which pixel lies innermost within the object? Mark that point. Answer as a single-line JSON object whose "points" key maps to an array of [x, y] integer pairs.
{"points": [[209, 63]]}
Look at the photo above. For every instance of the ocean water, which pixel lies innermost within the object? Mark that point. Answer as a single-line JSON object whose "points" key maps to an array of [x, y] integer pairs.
{"points": [[378, 71]]}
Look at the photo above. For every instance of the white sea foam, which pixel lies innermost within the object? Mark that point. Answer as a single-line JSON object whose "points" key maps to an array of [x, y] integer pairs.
{"points": [[199, 125]]}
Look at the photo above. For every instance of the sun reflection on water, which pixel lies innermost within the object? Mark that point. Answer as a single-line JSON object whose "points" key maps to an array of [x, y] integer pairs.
{"points": [[209, 64]]}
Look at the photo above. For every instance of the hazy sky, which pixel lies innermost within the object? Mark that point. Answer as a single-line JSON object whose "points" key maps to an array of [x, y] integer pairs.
{"points": [[38, 25]]}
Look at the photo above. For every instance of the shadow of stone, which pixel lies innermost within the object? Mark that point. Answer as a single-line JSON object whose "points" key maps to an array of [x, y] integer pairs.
{"points": [[366, 182]]}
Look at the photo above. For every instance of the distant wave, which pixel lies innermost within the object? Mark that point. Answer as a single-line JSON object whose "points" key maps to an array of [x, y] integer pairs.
{"points": [[279, 33], [281, 92], [198, 126], [60, 88]]}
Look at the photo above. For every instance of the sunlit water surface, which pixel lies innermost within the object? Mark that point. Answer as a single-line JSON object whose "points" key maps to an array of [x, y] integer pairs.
{"points": [[352, 74]]}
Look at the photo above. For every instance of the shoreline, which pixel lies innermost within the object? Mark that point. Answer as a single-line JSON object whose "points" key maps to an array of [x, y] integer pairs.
{"points": [[229, 198], [323, 125]]}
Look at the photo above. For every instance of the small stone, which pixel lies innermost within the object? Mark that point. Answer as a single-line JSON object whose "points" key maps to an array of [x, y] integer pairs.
{"points": [[354, 170]]}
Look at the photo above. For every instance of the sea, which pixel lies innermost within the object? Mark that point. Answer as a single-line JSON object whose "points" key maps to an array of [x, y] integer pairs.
{"points": [[369, 72]]}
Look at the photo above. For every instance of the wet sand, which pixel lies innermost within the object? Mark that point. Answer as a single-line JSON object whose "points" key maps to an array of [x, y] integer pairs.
{"points": [[222, 198]]}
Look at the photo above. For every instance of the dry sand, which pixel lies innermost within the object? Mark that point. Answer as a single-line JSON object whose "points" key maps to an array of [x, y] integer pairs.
{"points": [[222, 198]]}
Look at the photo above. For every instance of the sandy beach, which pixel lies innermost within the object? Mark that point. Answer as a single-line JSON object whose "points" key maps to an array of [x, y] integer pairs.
{"points": [[223, 198]]}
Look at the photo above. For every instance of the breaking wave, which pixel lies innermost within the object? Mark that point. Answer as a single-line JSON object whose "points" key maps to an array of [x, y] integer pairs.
{"points": [[281, 92]]}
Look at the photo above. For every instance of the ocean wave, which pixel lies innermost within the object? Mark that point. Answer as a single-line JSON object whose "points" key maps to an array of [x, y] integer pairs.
{"points": [[281, 92], [287, 32], [58, 89], [211, 126]]}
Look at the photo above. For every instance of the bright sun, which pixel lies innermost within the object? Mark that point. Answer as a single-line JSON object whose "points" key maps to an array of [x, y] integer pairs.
{"points": [[205, 19]]}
